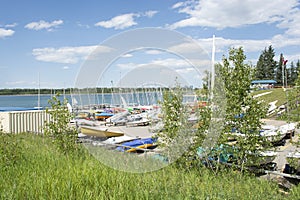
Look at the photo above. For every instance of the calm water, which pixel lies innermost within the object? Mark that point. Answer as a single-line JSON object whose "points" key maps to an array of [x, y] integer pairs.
{"points": [[30, 101], [26, 101]]}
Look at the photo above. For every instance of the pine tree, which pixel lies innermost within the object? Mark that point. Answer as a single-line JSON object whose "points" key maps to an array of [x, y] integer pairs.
{"points": [[293, 74], [298, 68], [206, 82], [279, 70], [266, 65], [260, 71]]}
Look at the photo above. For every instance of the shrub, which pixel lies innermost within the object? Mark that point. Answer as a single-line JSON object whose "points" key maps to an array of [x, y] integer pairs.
{"points": [[58, 128]]}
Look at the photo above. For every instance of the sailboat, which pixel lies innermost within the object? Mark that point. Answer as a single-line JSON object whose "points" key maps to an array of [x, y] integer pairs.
{"points": [[100, 131], [38, 107]]}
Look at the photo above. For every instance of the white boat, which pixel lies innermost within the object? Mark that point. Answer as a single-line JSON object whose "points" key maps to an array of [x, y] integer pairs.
{"points": [[118, 119], [262, 158], [293, 159], [137, 120], [272, 133], [83, 122], [288, 129], [100, 131], [272, 107], [267, 157], [81, 135], [117, 140]]}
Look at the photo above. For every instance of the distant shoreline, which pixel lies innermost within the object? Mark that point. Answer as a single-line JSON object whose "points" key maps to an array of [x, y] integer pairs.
{"points": [[24, 94]]}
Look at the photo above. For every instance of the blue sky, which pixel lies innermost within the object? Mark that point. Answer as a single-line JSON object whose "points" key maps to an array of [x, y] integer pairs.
{"points": [[50, 40]]}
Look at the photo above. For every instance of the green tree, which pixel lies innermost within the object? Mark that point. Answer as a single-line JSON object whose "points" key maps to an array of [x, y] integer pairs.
{"points": [[298, 67], [293, 114], [206, 82], [243, 113], [293, 107], [279, 70], [292, 74], [58, 128], [180, 138], [266, 65], [174, 119]]}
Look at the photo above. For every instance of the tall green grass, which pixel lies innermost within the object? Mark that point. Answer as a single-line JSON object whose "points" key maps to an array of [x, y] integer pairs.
{"points": [[39, 171]]}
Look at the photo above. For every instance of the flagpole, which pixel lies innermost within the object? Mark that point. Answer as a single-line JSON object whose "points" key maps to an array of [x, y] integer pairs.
{"points": [[212, 79], [283, 72]]}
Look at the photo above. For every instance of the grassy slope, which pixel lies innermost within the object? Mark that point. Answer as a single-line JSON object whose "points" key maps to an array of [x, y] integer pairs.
{"points": [[277, 94], [38, 171]]}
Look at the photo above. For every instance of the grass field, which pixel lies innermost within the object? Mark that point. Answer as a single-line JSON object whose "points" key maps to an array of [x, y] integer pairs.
{"points": [[31, 168], [276, 94]]}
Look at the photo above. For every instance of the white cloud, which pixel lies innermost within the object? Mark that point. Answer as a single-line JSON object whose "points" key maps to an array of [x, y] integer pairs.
{"points": [[119, 22], [291, 58], [173, 66], [11, 25], [222, 45], [127, 65], [233, 13], [177, 5], [127, 55], [66, 55], [82, 25], [6, 32], [291, 22], [284, 15], [150, 13], [124, 21], [21, 83], [173, 63], [44, 25], [154, 52]]}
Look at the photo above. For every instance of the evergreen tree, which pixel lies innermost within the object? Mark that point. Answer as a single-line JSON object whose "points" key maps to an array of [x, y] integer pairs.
{"points": [[206, 82], [292, 74], [260, 71], [298, 68], [279, 70], [266, 65]]}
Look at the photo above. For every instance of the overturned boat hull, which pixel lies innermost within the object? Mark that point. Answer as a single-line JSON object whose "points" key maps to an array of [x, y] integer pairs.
{"points": [[100, 131]]}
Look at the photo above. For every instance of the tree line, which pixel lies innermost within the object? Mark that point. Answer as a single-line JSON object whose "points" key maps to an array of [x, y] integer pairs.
{"points": [[29, 91], [35, 91], [284, 72]]}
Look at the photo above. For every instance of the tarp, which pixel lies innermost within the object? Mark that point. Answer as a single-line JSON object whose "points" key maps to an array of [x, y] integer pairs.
{"points": [[263, 82], [104, 114], [135, 143]]}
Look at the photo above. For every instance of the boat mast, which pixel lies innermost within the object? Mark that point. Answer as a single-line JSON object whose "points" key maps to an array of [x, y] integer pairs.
{"points": [[64, 91], [39, 92]]}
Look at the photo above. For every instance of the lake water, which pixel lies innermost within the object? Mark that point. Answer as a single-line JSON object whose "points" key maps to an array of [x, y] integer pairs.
{"points": [[129, 99], [26, 101], [30, 101]]}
